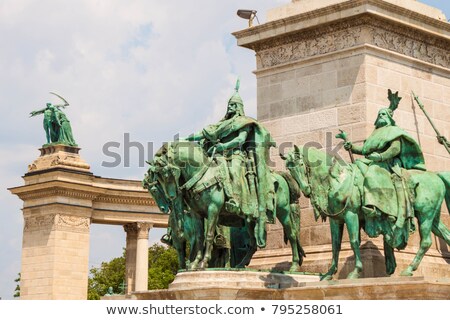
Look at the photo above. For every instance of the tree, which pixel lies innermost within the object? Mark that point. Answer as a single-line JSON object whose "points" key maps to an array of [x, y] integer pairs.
{"points": [[163, 266], [110, 274]]}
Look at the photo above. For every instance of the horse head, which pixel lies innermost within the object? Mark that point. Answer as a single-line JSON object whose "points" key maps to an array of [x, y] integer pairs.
{"points": [[153, 186], [296, 165], [168, 175]]}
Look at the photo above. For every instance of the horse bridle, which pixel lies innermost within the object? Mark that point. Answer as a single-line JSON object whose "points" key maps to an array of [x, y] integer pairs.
{"points": [[314, 202]]}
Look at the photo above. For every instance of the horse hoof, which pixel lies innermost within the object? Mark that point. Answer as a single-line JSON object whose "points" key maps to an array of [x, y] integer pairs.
{"points": [[193, 267], [406, 273], [294, 267], [326, 277], [354, 275]]}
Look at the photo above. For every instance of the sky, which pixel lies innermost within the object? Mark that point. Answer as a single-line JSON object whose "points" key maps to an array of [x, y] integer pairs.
{"points": [[147, 69]]}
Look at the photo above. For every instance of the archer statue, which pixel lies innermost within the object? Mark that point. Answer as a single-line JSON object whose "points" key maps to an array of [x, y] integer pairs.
{"points": [[56, 125]]}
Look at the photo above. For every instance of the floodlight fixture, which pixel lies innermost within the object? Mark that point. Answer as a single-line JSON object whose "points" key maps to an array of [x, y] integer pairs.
{"points": [[249, 15]]}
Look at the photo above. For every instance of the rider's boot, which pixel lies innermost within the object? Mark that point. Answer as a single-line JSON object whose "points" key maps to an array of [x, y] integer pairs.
{"points": [[231, 204], [401, 201]]}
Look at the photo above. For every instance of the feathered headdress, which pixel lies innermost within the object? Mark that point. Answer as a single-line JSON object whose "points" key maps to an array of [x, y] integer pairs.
{"points": [[394, 99], [236, 98]]}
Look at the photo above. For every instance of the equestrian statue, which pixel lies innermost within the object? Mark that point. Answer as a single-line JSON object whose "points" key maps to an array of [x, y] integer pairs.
{"points": [[382, 192]]}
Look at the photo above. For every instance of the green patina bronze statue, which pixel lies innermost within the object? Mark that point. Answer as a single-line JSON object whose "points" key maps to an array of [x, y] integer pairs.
{"points": [[56, 124], [388, 151], [225, 180], [241, 142], [381, 192]]}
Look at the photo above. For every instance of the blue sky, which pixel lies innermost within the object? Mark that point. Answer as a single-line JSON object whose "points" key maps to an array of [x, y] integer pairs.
{"points": [[144, 67]]}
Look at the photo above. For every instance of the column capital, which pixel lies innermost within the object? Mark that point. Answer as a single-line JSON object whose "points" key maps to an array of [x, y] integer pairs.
{"points": [[138, 229]]}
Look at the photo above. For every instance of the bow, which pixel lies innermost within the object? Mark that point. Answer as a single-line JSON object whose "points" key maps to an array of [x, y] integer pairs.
{"points": [[64, 100]]}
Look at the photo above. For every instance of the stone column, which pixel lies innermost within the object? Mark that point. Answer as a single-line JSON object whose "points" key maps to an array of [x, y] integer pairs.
{"points": [[130, 256], [142, 257], [137, 256]]}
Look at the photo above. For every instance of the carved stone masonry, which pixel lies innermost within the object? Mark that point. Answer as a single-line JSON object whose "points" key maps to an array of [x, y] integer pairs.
{"points": [[57, 222], [349, 34]]}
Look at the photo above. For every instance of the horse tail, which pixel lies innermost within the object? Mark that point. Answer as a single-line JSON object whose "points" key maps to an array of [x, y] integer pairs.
{"points": [[295, 217], [445, 177]]}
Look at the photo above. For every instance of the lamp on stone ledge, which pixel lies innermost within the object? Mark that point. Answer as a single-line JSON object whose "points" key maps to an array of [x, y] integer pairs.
{"points": [[249, 15]]}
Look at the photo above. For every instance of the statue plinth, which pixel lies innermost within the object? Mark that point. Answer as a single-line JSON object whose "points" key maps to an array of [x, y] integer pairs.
{"points": [[246, 285], [59, 156]]}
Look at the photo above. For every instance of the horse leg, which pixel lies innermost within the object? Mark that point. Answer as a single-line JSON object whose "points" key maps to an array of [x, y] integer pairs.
{"points": [[292, 235], [389, 258], [440, 230], [180, 247], [352, 222], [194, 232], [336, 239], [252, 246], [425, 225], [196, 246], [211, 223]]}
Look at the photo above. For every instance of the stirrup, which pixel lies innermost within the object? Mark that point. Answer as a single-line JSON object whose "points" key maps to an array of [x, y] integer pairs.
{"points": [[370, 212], [232, 206]]}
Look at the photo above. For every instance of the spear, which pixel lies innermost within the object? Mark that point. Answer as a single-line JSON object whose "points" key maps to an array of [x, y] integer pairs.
{"points": [[441, 139]]}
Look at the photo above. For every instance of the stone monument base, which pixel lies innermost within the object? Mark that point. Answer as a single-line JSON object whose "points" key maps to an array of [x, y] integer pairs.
{"points": [[250, 285], [59, 156]]}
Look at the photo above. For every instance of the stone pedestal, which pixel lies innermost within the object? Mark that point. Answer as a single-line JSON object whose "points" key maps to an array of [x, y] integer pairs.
{"points": [[55, 247], [248, 285], [322, 66]]}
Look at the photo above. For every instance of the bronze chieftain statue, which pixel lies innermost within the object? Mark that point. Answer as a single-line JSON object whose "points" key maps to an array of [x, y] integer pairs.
{"points": [[242, 143], [381, 193], [225, 180], [388, 151]]}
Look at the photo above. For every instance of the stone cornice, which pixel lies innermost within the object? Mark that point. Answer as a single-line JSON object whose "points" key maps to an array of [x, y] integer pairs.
{"points": [[252, 37], [83, 191], [56, 191], [144, 201]]}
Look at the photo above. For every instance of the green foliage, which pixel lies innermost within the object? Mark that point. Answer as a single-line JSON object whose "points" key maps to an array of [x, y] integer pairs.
{"points": [[162, 263], [110, 274], [17, 289], [163, 266]]}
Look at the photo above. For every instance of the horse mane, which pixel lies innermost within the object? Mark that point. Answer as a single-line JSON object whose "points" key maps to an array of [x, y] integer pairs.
{"points": [[180, 153], [318, 164]]}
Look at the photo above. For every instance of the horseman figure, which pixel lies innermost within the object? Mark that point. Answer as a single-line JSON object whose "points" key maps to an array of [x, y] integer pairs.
{"points": [[241, 145], [389, 153]]}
